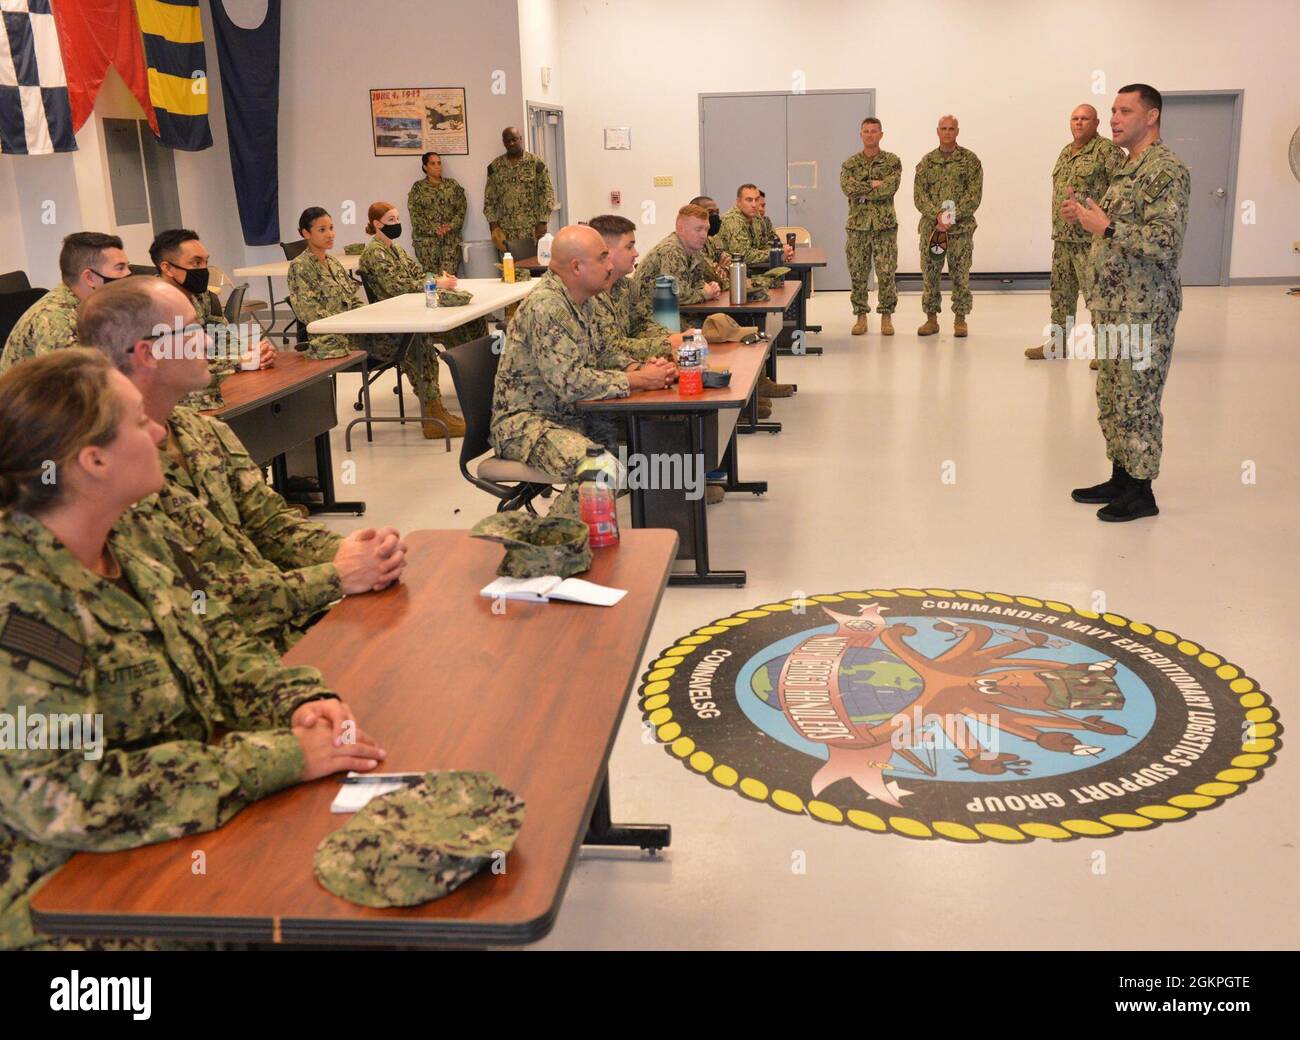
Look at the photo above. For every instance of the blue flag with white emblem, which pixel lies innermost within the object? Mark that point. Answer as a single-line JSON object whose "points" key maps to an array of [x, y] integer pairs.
{"points": [[35, 116]]}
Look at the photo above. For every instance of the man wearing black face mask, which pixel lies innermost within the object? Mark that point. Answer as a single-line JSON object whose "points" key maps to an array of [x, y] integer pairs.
{"points": [[181, 260], [88, 261]]}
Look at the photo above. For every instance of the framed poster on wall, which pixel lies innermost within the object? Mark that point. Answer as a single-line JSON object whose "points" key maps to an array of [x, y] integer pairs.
{"points": [[411, 120]]}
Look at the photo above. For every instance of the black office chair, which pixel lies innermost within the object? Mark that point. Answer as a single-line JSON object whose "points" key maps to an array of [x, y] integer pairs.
{"points": [[473, 367], [235, 304], [14, 281], [12, 307], [292, 250], [382, 367]]}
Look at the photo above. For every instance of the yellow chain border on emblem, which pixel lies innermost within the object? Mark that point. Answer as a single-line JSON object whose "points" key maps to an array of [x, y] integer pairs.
{"points": [[1257, 753]]}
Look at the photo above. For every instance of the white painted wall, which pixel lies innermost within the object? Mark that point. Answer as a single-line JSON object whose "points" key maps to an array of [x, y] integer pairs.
{"points": [[1010, 71], [539, 46], [333, 52]]}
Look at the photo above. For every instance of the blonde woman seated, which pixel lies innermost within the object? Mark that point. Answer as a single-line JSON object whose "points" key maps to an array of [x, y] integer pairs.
{"points": [[319, 287], [96, 624]]}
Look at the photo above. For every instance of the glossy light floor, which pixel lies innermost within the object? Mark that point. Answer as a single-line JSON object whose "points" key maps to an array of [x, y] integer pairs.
{"points": [[858, 500]]}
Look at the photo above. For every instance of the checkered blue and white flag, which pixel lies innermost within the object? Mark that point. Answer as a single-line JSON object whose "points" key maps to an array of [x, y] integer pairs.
{"points": [[35, 117]]}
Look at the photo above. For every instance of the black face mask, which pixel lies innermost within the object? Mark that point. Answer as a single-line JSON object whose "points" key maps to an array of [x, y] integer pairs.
{"points": [[106, 278], [715, 223], [391, 230], [196, 281]]}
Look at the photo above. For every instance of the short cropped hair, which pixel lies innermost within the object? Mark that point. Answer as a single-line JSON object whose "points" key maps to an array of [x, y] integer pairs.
{"points": [[612, 226], [740, 191], [166, 245], [1148, 95], [118, 316], [700, 200], [871, 119], [84, 249], [696, 212]]}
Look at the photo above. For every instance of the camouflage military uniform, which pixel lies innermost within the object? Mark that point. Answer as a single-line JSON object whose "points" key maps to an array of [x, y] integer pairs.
{"points": [[625, 323], [431, 206], [957, 178], [321, 289], [48, 324], [1088, 171], [742, 237], [207, 312], [518, 195], [1132, 279], [764, 229], [259, 558], [670, 258], [390, 271], [165, 680], [552, 359], [872, 226]]}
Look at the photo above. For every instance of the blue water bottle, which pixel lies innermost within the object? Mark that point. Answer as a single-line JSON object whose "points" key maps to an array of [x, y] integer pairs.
{"points": [[666, 310], [431, 290]]}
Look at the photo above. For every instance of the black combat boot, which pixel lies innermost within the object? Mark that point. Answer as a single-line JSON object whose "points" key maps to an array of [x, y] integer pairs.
{"points": [[1136, 501], [1107, 492]]}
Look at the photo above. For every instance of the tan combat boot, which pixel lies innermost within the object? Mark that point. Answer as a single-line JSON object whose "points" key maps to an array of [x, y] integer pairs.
{"points": [[767, 388], [436, 410], [1094, 364], [886, 325], [764, 407], [860, 326], [713, 494], [930, 327], [959, 326], [1035, 353]]}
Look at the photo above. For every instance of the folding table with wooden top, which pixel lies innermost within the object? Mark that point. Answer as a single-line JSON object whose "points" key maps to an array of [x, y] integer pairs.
{"points": [[445, 679]]}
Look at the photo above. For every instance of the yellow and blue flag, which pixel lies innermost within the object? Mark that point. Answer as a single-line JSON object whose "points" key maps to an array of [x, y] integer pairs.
{"points": [[178, 71]]}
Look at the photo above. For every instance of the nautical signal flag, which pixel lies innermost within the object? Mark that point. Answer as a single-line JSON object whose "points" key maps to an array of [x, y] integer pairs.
{"points": [[178, 71], [97, 35], [35, 114]]}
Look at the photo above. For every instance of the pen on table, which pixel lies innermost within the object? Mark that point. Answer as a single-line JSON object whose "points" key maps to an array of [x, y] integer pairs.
{"points": [[383, 778]]}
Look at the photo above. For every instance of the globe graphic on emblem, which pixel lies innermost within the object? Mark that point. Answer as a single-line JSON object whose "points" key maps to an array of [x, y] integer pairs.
{"points": [[874, 684]]}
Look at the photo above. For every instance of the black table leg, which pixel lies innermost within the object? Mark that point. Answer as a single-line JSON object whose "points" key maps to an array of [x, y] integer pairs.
{"points": [[801, 318], [602, 831], [750, 422], [325, 474], [733, 481], [703, 575]]}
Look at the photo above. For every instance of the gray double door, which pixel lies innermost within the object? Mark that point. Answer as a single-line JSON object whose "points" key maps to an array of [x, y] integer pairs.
{"points": [[791, 146]]}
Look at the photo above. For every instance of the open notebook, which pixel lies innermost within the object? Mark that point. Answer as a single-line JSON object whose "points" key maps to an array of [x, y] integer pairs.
{"points": [[540, 590]]}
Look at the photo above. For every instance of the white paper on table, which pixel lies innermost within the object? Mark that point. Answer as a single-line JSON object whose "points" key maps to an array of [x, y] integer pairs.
{"points": [[549, 587], [354, 797]]}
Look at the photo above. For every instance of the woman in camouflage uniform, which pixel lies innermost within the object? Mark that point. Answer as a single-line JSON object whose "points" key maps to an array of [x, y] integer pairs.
{"points": [[319, 286], [97, 628], [437, 206]]}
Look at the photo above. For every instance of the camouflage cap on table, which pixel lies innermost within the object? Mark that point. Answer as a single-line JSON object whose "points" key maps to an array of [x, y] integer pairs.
{"points": [[773, 279], [537, 545], [454, 297], [422, 842]]}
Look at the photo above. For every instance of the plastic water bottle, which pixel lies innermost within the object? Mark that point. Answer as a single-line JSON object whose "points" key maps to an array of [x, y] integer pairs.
{"points": [[544, 248], [597, 477], [508, 268], [430, 290], [702, 346], [690, 373]]}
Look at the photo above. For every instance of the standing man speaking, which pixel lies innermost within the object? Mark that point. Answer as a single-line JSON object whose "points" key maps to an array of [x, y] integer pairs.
{"points": [[1132, 284], [870, 179], [1084, 166]]}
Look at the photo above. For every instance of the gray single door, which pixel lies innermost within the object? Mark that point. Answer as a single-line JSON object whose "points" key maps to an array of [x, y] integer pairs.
{"points": [[821, 132], [742, 138], [1201, 130], [791, 146]]}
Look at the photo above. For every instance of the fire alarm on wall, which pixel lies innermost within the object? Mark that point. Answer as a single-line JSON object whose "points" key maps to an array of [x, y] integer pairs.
{"points": [[616, 198]]}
